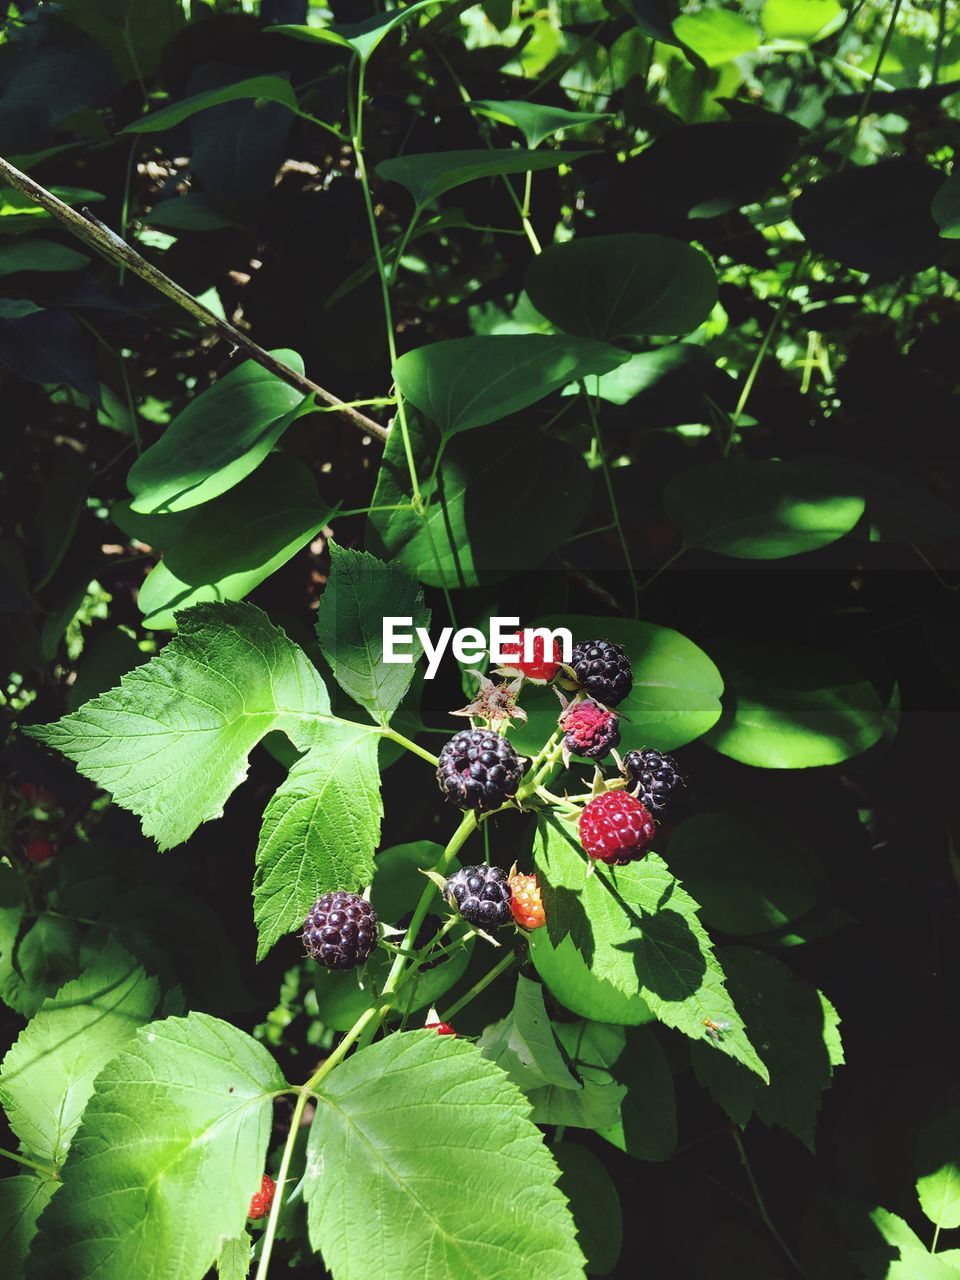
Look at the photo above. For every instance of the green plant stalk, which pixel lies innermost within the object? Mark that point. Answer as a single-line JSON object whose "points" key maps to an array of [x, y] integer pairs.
{"points": [[111, 246], [761, 1206], [372, 1017], [417, 497], [30, 1164], [938, 47], [480, 985]]}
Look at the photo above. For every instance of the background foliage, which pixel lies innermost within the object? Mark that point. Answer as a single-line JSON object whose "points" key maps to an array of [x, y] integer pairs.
{"points": [[669, 356]]}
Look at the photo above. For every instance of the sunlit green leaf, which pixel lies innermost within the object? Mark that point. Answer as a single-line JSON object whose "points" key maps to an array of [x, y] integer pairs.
{"points": [[468, 382], [267, 88], [219, 438], [763, 510], [429, 175], [48, 1074], [626, 940], [221, 684], [228, 546], [385, 1184], [536, 121], [793, 708], [171, 1148], [717, 35], [360, 592]]}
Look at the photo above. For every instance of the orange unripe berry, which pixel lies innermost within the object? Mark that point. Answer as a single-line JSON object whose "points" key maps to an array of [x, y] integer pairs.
{"points": [[526, 902]]}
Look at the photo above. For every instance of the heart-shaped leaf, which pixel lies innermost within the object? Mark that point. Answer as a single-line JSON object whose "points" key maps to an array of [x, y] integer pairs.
{"points": [[468, 382], [610, 287]]}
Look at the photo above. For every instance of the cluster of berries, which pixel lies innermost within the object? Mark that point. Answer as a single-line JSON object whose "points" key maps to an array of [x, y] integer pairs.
{"points": [[27, 814], [479, 769], [491, 897]]}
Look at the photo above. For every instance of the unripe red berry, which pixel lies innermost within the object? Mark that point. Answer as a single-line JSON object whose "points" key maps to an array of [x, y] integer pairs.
{"points": [[262, 1200], [616, 828], [40, 850], [541, 668]]}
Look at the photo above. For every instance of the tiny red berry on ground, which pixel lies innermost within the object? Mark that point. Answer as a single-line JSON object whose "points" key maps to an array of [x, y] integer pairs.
{"points": [[262, 1201], [442, 1028], [616, 828], [40, 850], [526, 903], [544, 664]]}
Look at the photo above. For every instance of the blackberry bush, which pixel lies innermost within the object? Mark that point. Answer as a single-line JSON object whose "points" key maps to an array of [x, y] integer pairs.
{"points": [[336, 342]]}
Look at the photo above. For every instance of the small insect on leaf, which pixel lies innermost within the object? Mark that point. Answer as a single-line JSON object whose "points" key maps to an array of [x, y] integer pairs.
{"points": [[715, 1030]]}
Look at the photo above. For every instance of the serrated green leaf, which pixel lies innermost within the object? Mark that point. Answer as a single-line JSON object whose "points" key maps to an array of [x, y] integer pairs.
{"points": [[267, 88], [796, 1027], [763, 510], [385, 1185], [464, 383], [170, 1149], [433, 173], [234, 1260], [938, 1170], [627, 936], [219, 438], [228, 546], [360, 592], [22, 1200], [594, 1203], [523, 1043], [535, 120], [319, 830], [610, 287], [793, 708], [48, 1074], [913, 1261], [202, 704], [592, 1048]]}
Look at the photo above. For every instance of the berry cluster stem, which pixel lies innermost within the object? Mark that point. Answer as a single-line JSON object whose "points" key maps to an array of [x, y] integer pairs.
{"points": [[367, 1021]]}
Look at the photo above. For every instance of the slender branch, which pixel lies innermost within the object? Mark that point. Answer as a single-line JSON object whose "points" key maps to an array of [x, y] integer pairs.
{"points": [[762, 1208], [480, 985], [109, 245], [30, 1164]]}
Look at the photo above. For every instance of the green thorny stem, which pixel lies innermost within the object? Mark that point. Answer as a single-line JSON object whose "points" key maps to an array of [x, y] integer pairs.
{"points": [[417, 500], [540, 768]]}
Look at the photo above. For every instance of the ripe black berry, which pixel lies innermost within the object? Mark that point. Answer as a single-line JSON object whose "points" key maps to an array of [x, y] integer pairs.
{"points": [[479, 769], [654, 776], [603, 670], [340, 931], [482, 895]]}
